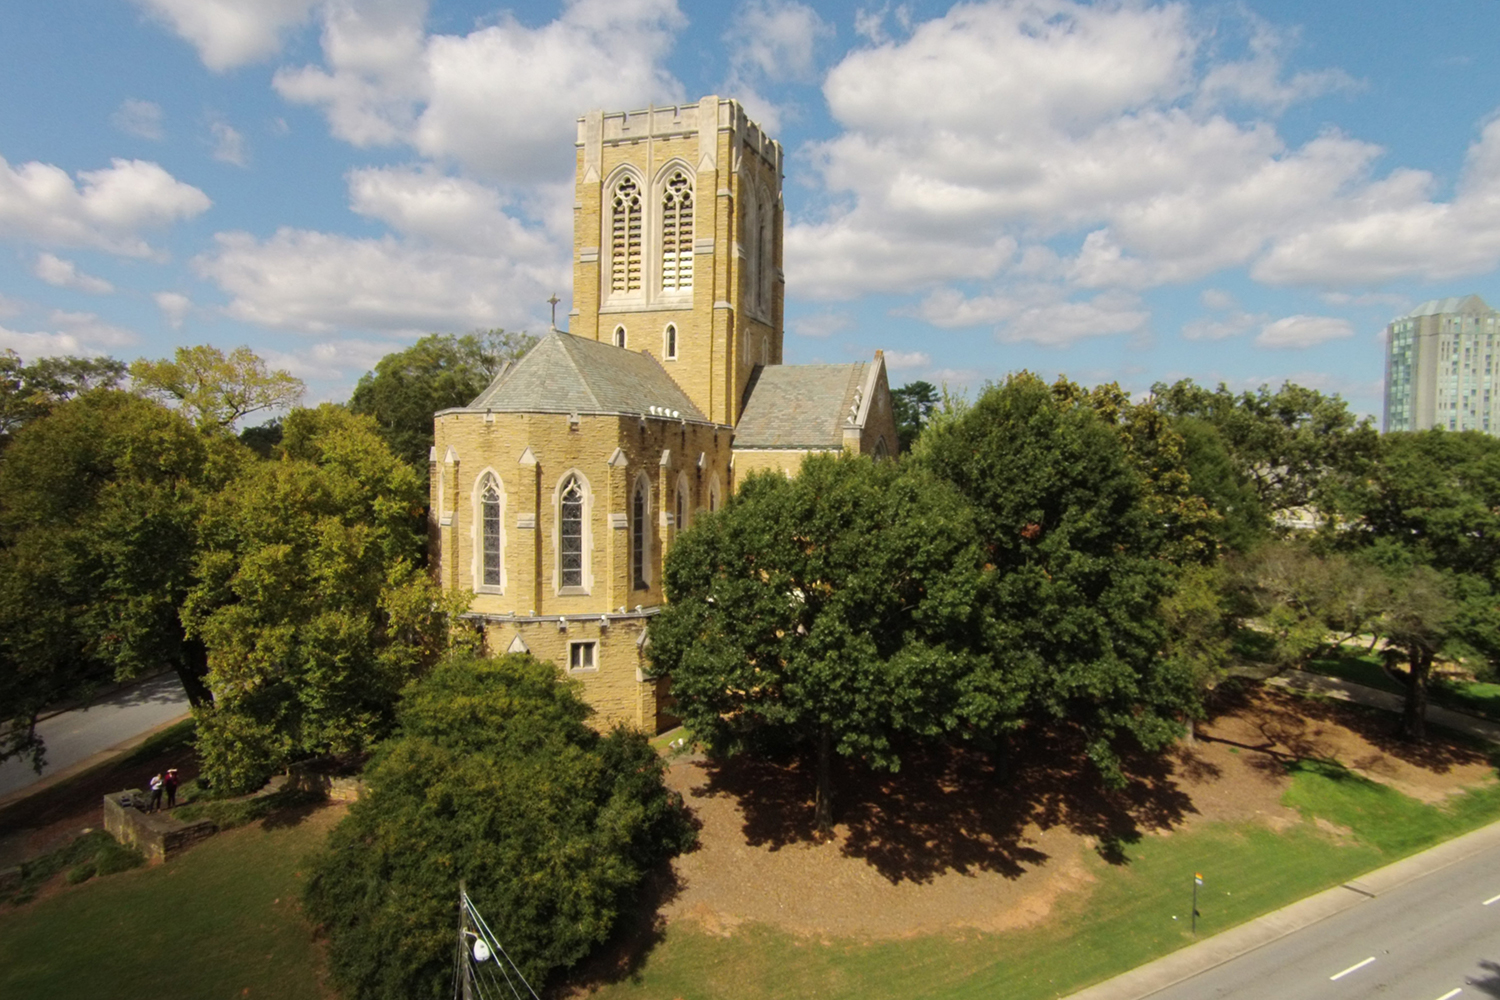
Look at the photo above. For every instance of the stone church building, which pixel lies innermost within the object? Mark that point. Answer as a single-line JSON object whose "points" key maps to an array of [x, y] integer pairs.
{"points": [[557, 493]]}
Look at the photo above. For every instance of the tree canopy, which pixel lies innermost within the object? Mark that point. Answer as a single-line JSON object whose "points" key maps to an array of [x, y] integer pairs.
{"points": [[214, 390], [837, 608], [494, 780], [437, 372], [30, 391], [1296, 448], [99, 507], [1072, 510], [310, 598], [914, 404]]}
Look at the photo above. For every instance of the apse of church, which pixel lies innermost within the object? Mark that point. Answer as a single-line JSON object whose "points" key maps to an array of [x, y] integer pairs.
{"points": [[558, 492]]}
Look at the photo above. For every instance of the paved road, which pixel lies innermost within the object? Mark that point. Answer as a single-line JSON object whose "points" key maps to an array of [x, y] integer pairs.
{"points": [[1434, 938], [79, 734]]}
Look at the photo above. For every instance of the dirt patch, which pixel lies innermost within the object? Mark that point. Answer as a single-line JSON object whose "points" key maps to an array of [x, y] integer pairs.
{"points": [[962, 841]]}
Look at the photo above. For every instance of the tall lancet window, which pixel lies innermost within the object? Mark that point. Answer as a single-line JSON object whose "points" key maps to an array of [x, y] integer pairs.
{"points": [[570, 533], [677, 233], [625, 237], [639, 509], [489, 529]]}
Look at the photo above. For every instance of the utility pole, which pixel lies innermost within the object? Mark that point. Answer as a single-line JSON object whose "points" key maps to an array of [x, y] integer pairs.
{"points": [[466, 981]]}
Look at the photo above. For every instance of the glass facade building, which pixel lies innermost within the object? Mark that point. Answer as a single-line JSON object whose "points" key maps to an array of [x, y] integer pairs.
{"points": [[1442, 368]]}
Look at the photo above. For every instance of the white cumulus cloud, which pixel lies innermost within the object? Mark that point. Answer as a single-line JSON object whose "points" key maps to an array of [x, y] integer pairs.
{"points": [[230, 33], [65, 274], [1303, 331], [105, 210], [500, 100], [174, 306]]}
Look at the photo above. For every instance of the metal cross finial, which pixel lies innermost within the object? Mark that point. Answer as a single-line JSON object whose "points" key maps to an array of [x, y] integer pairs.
{"points": [[553, 302]]}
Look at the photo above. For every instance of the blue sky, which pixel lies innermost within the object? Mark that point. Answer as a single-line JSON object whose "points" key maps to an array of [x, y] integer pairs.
{"points": [[1129, 191]]}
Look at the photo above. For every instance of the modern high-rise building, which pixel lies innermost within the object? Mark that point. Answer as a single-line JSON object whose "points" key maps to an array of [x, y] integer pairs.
{"points": [[1442, 368]]}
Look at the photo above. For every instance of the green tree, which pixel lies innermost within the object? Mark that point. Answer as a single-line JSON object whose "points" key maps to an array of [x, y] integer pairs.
{"points": [[494, 780], [437, 372], [1431, 518], [913, 403], [1074, 529], [836, 608], [99, 505], [1296, 447], [212, 390], [310, 599], [30, 391]]}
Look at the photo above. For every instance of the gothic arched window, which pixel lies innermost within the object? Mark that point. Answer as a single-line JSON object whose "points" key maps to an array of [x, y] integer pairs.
{"points": [[669, 341], [619, 336], [491, 550], [570, 533], [682, 506], [625, 237], [677, 232]]}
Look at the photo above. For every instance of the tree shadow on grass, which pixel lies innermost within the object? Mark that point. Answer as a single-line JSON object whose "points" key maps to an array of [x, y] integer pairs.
{"points": [[957, 809]]}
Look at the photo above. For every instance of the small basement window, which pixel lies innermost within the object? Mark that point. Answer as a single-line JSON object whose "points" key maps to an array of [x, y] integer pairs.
{"points": [[583, 655]]}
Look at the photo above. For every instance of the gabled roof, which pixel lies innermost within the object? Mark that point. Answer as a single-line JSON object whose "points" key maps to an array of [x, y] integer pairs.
{"points": [[1468, 304], [568, 374], [801, 406]]}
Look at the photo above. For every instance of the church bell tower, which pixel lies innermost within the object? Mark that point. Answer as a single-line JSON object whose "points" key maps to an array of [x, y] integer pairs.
{"points": [[677, 244]]}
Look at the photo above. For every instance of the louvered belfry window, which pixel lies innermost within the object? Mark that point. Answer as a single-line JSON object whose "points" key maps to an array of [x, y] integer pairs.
{"points": [[677, 233], [570, 533], [489, 504], [625, 237]]}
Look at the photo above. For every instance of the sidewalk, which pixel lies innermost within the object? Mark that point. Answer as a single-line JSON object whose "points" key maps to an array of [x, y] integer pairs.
{"points": [[1333, 687]]}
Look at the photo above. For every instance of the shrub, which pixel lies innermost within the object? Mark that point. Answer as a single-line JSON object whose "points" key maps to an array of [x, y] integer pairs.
{"points": [[495, 780]]}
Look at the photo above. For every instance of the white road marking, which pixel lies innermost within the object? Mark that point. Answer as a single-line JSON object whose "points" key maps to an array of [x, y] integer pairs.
{"points": [[1492, 899], [1450, 994], [1352, 968]]}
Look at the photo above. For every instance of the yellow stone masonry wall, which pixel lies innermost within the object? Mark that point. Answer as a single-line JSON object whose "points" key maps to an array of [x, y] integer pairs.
{"points": [[531, 454], [620, 688]]}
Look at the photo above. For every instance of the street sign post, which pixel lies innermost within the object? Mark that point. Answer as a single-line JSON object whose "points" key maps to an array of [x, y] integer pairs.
{"points": [[1197, 881]]}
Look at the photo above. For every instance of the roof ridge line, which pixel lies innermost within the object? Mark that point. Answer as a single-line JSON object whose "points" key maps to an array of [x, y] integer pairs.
{"points": [[582, 378]]}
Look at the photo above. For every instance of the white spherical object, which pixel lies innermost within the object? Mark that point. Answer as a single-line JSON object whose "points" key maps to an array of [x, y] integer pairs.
{"points": [[481, 951]]}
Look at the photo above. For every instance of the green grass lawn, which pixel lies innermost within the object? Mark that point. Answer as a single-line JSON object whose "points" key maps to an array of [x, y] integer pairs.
{"points": [[221, 921]]}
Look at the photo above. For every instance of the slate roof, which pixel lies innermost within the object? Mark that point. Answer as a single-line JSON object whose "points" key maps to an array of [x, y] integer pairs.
{"points": [[568, 374], [799, 406]]}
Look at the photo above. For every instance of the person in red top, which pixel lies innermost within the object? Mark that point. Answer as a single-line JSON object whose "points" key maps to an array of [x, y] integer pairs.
{"points": [[170, 782]]}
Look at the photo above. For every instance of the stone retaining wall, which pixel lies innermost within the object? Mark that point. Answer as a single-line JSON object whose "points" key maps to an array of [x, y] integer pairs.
{"points": [[158, 835]]}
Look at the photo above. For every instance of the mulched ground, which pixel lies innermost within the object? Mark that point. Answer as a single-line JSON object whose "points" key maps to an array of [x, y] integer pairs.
{"points": [[957, 842]]}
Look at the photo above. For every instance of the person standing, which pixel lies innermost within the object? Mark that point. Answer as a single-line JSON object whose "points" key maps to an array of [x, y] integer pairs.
{"points": [[156, 786], [170, 782]]}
